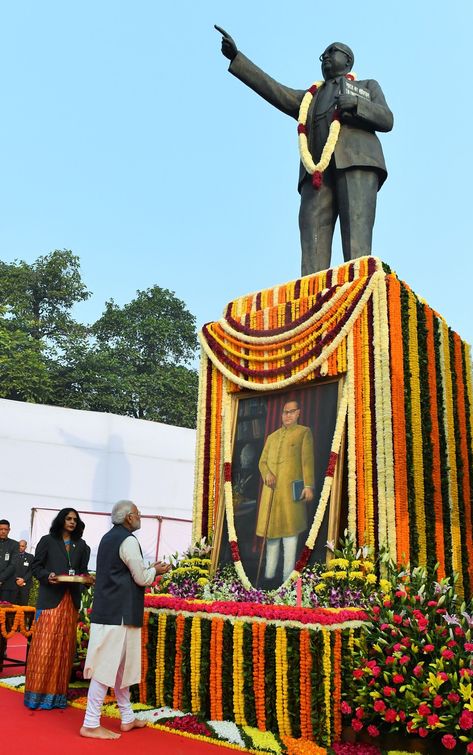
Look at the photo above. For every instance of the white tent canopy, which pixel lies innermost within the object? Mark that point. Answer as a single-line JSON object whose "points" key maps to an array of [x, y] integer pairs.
{"points": [[52, 457]]}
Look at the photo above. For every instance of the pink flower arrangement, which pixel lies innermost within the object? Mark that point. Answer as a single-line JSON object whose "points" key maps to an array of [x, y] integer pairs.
{"points": [[413, 671]]}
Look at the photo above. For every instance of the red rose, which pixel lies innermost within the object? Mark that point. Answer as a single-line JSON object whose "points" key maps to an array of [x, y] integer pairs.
{"points": [[438, 701], [433, 719], [429, 648], [388, 691], [358, 673], [373, 731], [422, 731], [448, 654], [379, 706], [356, 725], [459, 632], [466, 720], [449, 742], [469, 747], [443, 676], [404, 659], [398, 678], [359, 713], [390, 715], [424, 710], [453, 697], [345, 708], [432, 603], [397, 619], [468, 646], [418, 671], [390, 659]]}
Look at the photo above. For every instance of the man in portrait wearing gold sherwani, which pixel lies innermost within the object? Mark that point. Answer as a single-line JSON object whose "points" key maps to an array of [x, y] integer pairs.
{"points": [[287, 468]]}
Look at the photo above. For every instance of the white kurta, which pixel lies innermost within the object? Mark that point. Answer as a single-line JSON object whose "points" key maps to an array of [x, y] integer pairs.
{"points": [[109, 643]]}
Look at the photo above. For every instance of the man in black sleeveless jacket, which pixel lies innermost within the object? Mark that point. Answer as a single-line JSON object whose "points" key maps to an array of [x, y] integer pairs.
{"points": [[114, 651]]}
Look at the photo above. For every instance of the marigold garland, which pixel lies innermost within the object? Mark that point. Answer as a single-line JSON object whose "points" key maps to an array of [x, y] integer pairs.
{"points": [[238, 676], [451, 453], [178, 681], [160, 659], [195, 652], [282, 710], [258, 634], [416, 427], [327, 676], [305, 683], [18, 624]]}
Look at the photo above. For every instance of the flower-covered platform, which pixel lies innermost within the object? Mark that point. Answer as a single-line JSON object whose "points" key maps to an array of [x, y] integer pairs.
{"points": [[274, 667], [405, 409]]}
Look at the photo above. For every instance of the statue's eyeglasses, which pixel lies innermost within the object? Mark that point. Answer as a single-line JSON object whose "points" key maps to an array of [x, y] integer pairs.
{"points": [[330, 51]]}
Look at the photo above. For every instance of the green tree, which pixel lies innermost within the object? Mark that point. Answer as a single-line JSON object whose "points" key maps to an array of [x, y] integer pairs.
{"points": [[39, 296], [139, 364], [36, 326], [24, 374]]}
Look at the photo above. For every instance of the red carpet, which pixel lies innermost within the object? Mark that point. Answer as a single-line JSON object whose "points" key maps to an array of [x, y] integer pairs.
{"points": [[56, 732]]}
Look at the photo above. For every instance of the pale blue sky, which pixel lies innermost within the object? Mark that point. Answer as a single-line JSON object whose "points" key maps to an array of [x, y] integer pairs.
{"points": [[124, 139]]}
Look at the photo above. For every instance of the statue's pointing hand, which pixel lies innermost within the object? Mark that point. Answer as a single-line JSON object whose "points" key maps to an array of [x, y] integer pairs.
{"points": [[229, 48]]}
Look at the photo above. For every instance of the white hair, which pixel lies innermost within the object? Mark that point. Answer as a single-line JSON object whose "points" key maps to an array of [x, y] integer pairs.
{"points": [[120, 511]]}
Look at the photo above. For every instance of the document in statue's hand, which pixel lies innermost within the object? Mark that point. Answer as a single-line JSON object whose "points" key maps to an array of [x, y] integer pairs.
{"points": [[297, 488], [350, 87]]}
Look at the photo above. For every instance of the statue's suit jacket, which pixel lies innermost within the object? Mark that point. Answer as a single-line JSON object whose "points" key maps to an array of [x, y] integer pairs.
{"points": [[357, 145]]}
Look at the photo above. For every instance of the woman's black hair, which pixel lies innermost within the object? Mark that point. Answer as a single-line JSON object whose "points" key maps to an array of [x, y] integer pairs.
{"points": [[57, 525]]}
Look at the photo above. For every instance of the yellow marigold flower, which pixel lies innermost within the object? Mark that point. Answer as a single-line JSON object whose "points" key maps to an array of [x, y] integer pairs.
{"points": [[340, 575], [355, 564], [320, 587], [385, 585], [343, 563], [327, 574], [371, 579], [368, 566], [356, 575], [202, 581]]}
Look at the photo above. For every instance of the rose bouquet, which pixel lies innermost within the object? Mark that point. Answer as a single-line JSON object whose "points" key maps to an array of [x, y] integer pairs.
{"points": [[413, 668]]}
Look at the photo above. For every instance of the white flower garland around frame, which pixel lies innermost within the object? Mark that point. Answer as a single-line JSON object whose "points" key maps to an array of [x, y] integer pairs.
{"points": [[324, 494]]}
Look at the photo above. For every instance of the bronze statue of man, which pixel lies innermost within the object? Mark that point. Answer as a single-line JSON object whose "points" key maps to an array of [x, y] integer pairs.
{"points": [[338, 128]]}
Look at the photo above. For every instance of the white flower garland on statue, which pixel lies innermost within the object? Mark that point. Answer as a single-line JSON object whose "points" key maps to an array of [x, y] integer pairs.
{"points": [[316, 169]]}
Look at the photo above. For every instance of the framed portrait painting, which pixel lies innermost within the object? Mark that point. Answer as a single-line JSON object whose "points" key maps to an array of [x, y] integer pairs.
{"points": [[281, 448]]}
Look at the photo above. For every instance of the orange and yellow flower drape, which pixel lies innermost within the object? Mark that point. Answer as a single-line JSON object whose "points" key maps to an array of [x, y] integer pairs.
{"points": [[408, 405]]}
